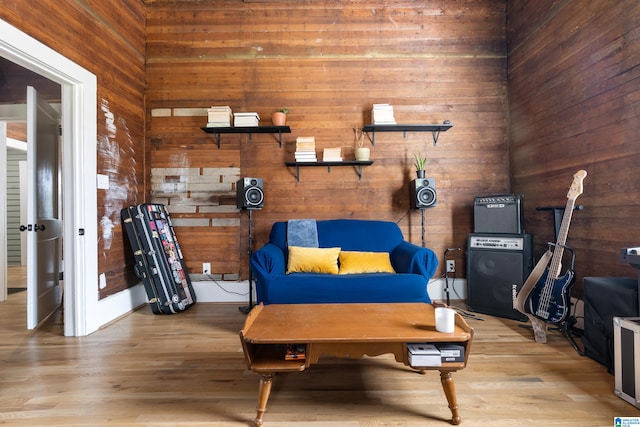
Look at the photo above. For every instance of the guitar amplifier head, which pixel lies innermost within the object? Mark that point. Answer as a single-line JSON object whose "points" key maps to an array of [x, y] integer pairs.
{"points": [[498, 214]]}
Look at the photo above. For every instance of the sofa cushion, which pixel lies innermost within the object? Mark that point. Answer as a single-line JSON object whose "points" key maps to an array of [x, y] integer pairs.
{"points": [[313, 260], [352, 262], [307, 288]]}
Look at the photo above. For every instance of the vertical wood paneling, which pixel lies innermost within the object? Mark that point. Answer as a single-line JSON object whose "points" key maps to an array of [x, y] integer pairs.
{"points": [[13, 205], [328, 62], [108, 39], [573, 90]]}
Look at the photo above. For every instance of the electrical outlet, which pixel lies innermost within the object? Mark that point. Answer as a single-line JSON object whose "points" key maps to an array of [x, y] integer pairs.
{"points": [[206, 268], [451, 266]]}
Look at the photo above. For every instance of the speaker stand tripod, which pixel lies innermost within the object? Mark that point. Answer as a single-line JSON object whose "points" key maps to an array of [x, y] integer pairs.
{"points": [[247, 308], [422, 224]]}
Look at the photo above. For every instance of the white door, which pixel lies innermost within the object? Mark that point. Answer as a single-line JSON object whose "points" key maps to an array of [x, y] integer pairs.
{"points": [[3, 213], [44, 224]]}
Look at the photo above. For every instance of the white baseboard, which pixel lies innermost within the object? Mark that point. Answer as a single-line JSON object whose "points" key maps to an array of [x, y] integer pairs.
{"points": [[122, 303], [117, 305], [457, 289], [238, 291], [223, 291]]}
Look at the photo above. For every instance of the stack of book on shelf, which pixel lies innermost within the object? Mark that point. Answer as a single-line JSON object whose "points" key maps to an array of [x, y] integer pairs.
{"points": [[295, 352], [219, 116], [382, 114], [306, 149], [332, 155], [245, 119]]}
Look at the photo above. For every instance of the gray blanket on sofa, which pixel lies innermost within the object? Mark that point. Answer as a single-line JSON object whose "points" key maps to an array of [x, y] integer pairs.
{"points": [[302, 232]]}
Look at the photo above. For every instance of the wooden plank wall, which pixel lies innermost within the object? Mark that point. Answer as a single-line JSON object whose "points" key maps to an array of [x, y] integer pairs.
{"points": [[574, 86], [328, 62], [572, 104], [108, 39]]}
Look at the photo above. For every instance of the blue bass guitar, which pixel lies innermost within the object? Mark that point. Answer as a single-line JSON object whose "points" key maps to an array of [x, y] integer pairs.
{"points": [[545, 295]]}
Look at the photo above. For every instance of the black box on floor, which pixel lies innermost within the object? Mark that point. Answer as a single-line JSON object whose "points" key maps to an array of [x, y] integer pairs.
{"points": [[604, 299]]}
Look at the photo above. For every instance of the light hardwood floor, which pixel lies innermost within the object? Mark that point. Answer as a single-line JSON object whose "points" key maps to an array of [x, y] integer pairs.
{"points": [[188, 370]]}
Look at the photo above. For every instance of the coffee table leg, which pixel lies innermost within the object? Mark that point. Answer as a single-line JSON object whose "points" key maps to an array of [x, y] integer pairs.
{"points": [[263, 396], [449, 388]]}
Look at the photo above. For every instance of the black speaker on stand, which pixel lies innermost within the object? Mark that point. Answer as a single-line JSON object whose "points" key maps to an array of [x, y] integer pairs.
{"points": [[249, 193], [497, 266], [250, 196], [423, 193]]}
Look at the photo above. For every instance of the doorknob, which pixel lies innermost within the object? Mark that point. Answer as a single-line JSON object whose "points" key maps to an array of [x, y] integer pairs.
{"points": [[34, 227]]}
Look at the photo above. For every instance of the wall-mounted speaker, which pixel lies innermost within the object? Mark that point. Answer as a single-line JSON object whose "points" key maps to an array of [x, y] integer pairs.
{"points": [[497, 267], [423, 193], [249, 193], [498, 214]]}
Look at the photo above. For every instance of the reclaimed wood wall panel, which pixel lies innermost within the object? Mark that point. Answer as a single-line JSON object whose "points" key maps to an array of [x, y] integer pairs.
{"points": [[573, 91], [328, 62], [108, 39]]}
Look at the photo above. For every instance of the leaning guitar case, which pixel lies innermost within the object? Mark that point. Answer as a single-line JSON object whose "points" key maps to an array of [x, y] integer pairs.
{"points": [[158, 258]]}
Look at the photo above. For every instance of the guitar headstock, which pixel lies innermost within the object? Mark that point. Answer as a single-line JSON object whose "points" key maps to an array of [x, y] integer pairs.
{"points": [[576, 186]]}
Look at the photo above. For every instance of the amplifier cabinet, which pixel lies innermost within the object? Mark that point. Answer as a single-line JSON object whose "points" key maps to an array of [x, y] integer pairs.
{"points": [[497, 267], [498, 214], [626, 342]]}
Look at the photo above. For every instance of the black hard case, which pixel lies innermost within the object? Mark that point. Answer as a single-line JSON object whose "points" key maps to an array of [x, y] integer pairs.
{"points": [[159, 261], [606, 298]]}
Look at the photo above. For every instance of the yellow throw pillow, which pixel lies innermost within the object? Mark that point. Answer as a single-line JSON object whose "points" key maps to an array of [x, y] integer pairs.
{"points": [[352, 262], [313, 260]]}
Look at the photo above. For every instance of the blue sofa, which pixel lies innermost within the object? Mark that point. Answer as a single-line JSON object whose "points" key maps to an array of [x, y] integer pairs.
{"points": [[413, 267]]}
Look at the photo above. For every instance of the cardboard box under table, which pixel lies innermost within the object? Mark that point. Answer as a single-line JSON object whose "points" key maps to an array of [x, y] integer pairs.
{"points": [[626, 340]]}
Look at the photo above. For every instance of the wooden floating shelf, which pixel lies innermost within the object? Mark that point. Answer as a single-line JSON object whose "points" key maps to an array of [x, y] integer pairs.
{"points": [[356, 163], [434, 129], [248, 130]]}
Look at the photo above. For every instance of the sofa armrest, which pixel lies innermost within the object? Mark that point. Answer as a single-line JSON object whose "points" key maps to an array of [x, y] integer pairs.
{"points": [[410, 258], [266, 263]]}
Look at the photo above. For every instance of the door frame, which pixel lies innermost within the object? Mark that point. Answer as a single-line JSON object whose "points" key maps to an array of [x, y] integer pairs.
{"points": [[79, 141]]}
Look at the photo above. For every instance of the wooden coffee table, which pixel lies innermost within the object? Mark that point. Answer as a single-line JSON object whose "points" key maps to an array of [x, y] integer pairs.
{"points": [[348, 331]]}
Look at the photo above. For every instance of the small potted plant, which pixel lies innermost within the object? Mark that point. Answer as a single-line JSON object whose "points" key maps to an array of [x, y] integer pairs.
{"points": [[362, 153], [419, 162], [279, 118]]}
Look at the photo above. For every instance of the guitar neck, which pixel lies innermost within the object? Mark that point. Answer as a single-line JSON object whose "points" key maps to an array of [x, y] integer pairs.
{"points": [[556, 260]]}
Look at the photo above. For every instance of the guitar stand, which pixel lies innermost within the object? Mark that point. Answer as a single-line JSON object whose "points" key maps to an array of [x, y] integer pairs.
{"points": [[558, 212], [566, 326]]}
